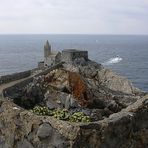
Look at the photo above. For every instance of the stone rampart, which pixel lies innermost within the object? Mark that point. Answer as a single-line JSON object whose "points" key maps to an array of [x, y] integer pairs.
{"points": [[14, 77], [10, 92], [13, 90], [69, 55]]}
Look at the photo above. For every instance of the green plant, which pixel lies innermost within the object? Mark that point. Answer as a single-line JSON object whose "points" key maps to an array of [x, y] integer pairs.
{"points": [[42, 111], [61, 114], [79, 117]]}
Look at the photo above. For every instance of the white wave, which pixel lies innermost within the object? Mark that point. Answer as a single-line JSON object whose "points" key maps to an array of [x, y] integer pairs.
{"points": [[114, 60]]}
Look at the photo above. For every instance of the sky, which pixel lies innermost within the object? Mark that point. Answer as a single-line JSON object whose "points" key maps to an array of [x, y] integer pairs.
{"points": [[74, 17]]}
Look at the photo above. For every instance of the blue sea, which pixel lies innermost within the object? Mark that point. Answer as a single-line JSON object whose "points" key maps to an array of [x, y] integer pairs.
{"points": [[125, 54]]}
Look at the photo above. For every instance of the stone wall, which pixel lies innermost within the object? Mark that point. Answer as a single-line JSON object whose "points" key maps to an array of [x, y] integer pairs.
{"points": [[15, 76], [23, 129], [49, 61], [11, 92], [126, 129], [15, 89], [70, 55], [41, 64]]}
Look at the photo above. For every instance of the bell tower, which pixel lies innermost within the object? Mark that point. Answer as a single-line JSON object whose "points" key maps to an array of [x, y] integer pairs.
{"points": [[47, 49]]}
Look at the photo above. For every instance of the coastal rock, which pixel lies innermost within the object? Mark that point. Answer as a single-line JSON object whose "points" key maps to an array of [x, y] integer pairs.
{"points": [[70, 102], [79, 89], [118, 111], [113, 106], [116, 82]]}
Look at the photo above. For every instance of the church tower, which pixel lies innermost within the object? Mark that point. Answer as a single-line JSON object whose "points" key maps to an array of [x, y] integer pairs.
{"points": [[47, 49]]}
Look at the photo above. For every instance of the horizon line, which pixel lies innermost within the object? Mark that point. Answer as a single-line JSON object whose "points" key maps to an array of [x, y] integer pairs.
{"points": [[71, 34]]}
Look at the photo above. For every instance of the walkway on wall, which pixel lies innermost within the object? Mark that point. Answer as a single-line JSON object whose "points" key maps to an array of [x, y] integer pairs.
{"points": [[6, 85]]}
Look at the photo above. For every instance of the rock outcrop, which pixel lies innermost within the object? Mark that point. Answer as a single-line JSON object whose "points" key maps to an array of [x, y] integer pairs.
{"points": [[118, 111]]}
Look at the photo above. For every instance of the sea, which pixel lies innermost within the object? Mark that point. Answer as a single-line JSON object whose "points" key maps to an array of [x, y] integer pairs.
{"points": [[126, 55]]}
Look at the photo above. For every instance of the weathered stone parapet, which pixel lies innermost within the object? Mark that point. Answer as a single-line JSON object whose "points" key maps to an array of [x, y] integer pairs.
{"points": [[127, 128], [14, 77], [12, 91]]}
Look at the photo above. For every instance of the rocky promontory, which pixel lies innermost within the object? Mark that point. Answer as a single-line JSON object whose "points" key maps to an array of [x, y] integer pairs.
{"points": [[77, 104]]}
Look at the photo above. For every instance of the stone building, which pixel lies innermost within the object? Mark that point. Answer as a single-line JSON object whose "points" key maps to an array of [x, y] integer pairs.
{"points": [[69, 55], [50, 57], [54, 57]]}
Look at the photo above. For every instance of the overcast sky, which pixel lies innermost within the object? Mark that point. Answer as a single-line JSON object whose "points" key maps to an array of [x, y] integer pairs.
{"points": [[74, 16]]}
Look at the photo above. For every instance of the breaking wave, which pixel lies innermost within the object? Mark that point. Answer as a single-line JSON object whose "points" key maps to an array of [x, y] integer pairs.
{"points": [[114, 60]]}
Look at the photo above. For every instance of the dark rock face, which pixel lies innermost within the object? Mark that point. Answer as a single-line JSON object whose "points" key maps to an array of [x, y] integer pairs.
{"points": [[118, 110]]}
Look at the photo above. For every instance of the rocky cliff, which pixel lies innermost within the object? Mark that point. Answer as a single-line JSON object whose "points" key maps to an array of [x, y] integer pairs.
{"points": [[78, 105]]}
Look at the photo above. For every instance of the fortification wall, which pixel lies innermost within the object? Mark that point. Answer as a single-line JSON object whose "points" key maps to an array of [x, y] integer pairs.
{"points": [[14, 77], [13, 90], [70, 55]]}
